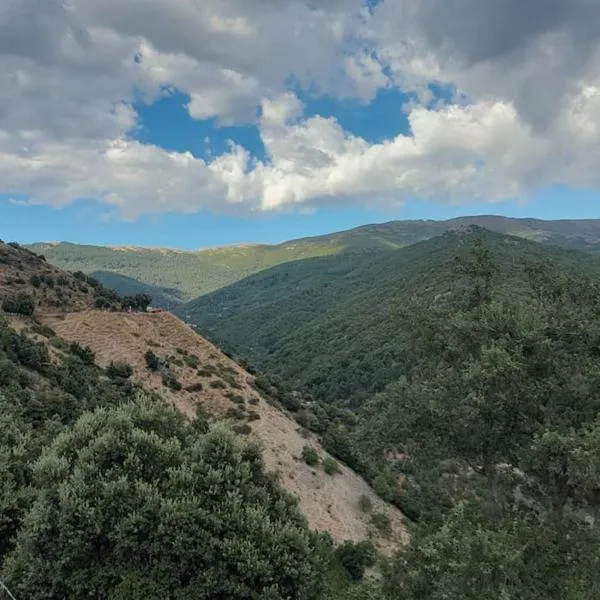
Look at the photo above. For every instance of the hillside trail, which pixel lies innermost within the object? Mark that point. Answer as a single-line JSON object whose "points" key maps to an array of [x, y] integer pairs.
{"points": [[330, 502]]}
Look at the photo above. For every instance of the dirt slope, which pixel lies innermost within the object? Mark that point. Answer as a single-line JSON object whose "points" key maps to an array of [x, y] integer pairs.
{"points": [[331, 503]]}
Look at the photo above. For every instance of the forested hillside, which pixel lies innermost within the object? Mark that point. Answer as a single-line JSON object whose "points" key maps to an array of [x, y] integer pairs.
{"points": [[487, 437], [171, 276], [489, 440], [337, 327]]}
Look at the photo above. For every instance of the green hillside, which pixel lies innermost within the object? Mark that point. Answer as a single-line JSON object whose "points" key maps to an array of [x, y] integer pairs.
{"points": [[335, 326], [188, 274], [127, 286]]}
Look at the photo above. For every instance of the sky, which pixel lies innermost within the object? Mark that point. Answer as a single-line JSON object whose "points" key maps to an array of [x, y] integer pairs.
{"points": [[194, 123]]}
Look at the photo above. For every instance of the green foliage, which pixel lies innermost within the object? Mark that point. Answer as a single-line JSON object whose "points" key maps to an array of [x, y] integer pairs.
{"points": [[330, 466], [340, 328], [152, 361], [253, 416], [355, 558], [192, 361], [38, 399], [217, 384], [84, 353], [178, 514], [170, 380], [310, 456], [138, 302], [119, 370], [172, 276], [22, 304], [381, 522], [195, 387]]}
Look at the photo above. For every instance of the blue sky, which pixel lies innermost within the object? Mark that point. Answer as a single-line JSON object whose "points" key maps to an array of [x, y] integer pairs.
{"points": [[265, 136]]}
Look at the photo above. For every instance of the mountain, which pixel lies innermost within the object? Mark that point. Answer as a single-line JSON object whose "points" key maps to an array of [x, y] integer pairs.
{"points": [[23, 273], [176, 274], [183, 275], [161, 355], [334, 327]]}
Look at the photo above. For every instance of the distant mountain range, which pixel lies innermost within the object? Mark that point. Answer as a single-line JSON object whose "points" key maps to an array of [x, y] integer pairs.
{"points": [[175, 276]]}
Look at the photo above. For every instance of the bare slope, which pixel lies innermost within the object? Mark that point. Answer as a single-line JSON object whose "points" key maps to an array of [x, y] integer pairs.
{"points": [[331, 503]]}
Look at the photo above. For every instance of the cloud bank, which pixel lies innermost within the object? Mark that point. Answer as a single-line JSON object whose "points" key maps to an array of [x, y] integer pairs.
{"points": [[521, 108]]}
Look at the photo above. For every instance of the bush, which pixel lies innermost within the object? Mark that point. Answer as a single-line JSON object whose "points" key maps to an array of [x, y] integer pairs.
{"points": [[169, 380], [253, 416], [195, 387], [310, 456], [21, 304], [84, 353], [236, 398], [152, 361], [364, 503], [234, 413], [218, 384], [381, 522], [44, 330], [192, 361], [242, 429], [330, 466], [355, 558], [119, 370]]}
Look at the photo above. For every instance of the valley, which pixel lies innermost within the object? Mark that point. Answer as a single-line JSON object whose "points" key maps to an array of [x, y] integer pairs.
{"points": [[408, 416]]}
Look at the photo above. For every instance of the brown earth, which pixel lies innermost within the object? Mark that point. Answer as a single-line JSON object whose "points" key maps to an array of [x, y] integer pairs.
{"points": [[330, 502]]}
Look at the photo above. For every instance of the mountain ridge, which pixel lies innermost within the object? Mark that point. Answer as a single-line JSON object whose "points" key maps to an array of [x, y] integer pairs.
{"points": [[194, 273]]}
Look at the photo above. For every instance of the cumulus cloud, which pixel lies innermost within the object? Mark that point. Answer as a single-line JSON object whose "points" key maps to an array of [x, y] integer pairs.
{"points": [[523, 108]]}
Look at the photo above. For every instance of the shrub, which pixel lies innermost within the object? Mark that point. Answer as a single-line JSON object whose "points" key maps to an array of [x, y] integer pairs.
{"points": [[236, 398], [385, 486], [364, 503], [169, 380], [35, 281], [242, 429], [192, 361], [204, 372], [355, 558], [85, 353], [381, 522], [234, 413], [44, 330], [310, 456], [22, 304], [218, 384], [253, 400], [195, 387], [330, 466], [152, 361], [253, 416], [119, 370]]}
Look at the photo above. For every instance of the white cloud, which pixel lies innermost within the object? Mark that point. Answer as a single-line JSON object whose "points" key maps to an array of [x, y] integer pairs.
{"points": [[527, 109]]}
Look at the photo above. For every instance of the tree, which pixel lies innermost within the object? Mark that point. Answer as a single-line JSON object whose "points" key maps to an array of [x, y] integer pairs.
{"points": [[134, 502], [355, 558]]}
